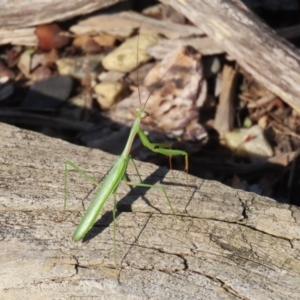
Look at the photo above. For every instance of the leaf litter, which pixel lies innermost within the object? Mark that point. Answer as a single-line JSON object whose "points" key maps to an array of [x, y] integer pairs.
{"points": [[234, 130]]}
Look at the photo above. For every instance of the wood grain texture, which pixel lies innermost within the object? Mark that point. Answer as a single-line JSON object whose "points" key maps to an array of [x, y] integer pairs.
{"points": [[124, 24], [270, 59], [17, 17], [224, 244], [18, 13]]}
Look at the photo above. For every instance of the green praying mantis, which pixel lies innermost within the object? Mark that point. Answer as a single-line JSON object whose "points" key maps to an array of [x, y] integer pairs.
{"points": [[118, 172]]}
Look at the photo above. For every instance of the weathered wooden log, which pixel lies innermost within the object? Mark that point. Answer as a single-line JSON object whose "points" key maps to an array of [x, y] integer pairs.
{"points": [[270, 59], [19, 18], [223, 244], [19, 14]]}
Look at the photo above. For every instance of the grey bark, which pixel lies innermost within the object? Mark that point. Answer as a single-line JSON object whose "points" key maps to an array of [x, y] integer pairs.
{"points": [[223, 243], [18, 18], [270, 59], [17, 14]]}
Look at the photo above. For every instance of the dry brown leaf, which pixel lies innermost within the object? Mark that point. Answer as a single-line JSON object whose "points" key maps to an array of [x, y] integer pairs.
{"points": [[51, 36], [173, 105]]}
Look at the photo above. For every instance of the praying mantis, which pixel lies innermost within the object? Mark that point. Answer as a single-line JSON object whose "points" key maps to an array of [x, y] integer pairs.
{"points": [[118, 172]]}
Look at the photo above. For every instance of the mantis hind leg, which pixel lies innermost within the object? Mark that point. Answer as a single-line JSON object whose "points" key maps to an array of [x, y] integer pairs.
{"points": [[136, 169], [158, 186], [81, 172], [155, 186]]}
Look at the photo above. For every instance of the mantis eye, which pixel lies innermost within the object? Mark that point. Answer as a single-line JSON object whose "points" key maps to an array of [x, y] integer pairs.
{"points": [[144, 114]]}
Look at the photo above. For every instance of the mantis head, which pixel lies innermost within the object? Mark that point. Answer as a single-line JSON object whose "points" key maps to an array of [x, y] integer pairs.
{"points": [[141, 113]]}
